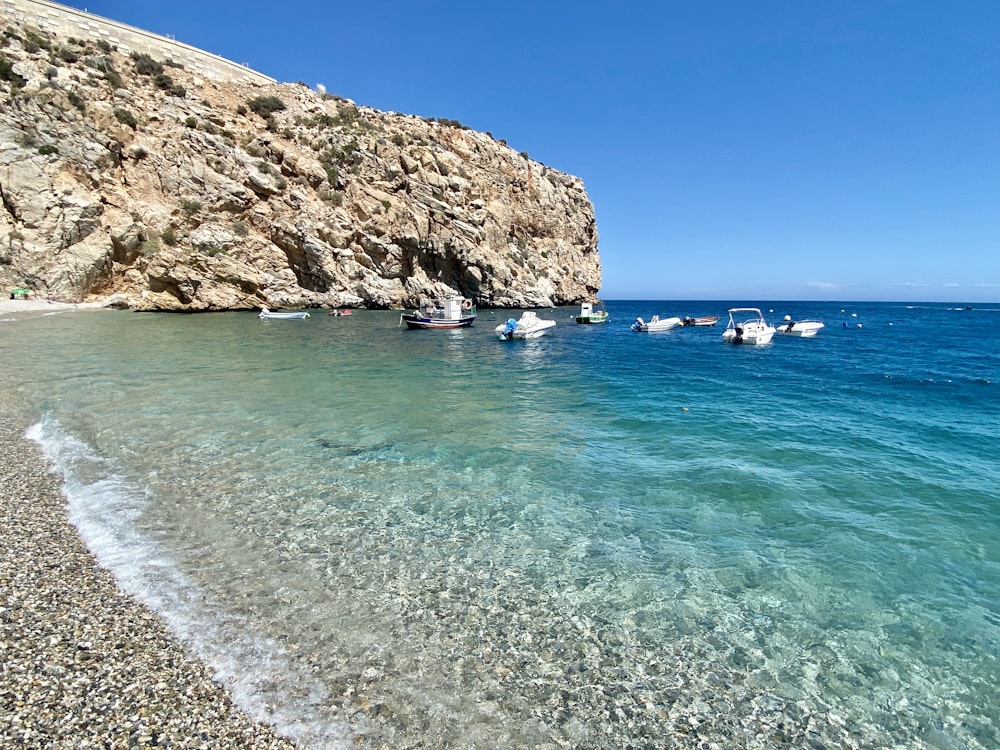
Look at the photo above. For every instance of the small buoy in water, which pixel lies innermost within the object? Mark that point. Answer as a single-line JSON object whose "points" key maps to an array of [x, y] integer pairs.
{"points": [[890, 324], [788, 317], [684, 408], [854, 315], [859, 325]]}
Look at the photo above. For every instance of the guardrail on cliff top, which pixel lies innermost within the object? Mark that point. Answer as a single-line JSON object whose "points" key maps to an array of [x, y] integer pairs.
{"points": [[65, 21]]}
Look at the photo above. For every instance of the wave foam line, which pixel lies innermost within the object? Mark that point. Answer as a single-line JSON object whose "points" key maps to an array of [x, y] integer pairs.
{"points": [[105, 508]]}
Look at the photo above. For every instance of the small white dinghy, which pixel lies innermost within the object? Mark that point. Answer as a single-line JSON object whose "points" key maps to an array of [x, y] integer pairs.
{"points": [[266, 314]]}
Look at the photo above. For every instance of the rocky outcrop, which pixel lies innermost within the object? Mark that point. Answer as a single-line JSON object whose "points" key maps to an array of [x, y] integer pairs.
{"points": [[122, 177]]}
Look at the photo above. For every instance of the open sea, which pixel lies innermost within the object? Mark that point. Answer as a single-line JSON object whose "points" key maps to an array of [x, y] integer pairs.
{"points": [[599, 538]]}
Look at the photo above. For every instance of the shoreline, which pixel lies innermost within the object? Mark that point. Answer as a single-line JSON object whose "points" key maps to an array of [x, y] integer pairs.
{"points": [[41, 305], [84, 662]]}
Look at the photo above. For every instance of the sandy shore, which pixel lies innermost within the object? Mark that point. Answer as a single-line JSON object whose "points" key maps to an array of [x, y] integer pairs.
{"points": [[83, 664], [8, 306]]}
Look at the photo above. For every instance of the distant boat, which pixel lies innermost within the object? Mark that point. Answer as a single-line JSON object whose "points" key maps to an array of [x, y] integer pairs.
{"points": [[530, 326], [801, 328], [656, 323], [588, 314], [704, 320], [447, 312], [266, 314], [752, 329]]}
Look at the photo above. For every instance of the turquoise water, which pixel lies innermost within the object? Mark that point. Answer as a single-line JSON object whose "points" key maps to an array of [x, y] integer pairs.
{"points": [[592, 539]]}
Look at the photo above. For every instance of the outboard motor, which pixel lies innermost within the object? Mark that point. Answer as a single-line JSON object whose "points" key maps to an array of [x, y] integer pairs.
{"points": [[639, 323], [738, 339], [509, 329]]}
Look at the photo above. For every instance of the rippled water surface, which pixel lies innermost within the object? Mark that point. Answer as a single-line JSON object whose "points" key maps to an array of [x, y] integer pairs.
{"points": [[594, 538]]}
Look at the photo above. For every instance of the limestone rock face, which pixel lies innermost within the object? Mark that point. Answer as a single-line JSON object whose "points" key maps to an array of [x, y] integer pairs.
{"points": [[121, 177]]}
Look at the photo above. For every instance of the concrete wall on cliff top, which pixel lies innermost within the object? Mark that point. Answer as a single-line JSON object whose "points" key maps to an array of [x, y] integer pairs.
{"points": [[63, 21]]}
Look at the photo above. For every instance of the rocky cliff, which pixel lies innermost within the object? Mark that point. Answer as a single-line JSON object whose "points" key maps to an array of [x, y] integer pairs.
{"points": [[129, 178]]}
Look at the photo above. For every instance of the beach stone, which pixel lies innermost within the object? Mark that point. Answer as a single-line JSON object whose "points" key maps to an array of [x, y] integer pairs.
{"points": [[85, 665]]}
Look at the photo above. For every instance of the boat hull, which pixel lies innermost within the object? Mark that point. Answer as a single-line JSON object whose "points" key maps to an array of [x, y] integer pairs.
{"points": [[754, 331], [705, 320], [802, 328], [520, 334], [530, 326], [591, 319], [656, 325], [421, 322], [445, 312], [752, 338], [283, 316], [591, 313]]}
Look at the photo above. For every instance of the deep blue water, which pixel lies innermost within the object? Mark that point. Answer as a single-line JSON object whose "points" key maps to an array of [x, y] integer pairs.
{"points": [[412, 534]]}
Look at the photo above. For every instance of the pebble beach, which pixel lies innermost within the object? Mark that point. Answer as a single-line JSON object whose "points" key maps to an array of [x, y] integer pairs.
{"points": [[84, 664]]}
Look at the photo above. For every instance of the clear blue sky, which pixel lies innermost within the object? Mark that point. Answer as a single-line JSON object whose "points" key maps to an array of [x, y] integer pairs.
{"points": [[768, 149]]}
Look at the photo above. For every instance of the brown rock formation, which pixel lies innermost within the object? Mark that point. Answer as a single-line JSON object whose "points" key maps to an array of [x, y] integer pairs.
{"points": [[127, 179]]}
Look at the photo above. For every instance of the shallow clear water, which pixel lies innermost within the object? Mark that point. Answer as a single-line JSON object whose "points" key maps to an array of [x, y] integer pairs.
{"points": [[408, 534]]}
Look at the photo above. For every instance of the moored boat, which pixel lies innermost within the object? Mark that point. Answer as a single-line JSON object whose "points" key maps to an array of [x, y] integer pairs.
{"points": [[266, 314], [751, 328], [703, 320], [529, 326], [656, 323], [801, 328], [589, 314], [447, 312]]}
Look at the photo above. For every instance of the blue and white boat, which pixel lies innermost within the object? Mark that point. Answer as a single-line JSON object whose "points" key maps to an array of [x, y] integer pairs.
{"points": [[448, 312], [529, 326]]}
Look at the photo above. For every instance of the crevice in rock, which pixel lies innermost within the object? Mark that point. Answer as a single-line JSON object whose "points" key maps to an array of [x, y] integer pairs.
{"points": [[8, 205]]}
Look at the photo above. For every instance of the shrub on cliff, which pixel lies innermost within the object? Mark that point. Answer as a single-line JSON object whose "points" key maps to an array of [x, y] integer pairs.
{"points": [[165, 82], [32, 42], [146, 65], [126, 118], [106, 67], [265, 106], [7, 74], [68, 55]]}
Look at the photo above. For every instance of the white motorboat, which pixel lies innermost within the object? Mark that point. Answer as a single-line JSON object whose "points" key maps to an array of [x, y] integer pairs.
{"points": [[799, 327], [529, 326], [747, 326], [448, 312], [266, 314], [656, 323]]}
